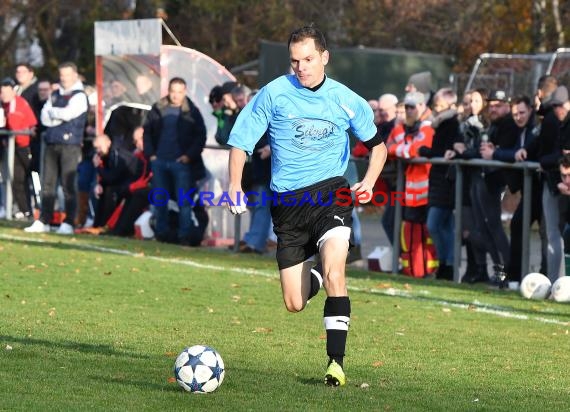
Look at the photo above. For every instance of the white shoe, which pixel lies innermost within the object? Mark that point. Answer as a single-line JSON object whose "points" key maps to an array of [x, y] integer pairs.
{"points": [[2, 212], [88, 222], [65, 229], [37, 227]]}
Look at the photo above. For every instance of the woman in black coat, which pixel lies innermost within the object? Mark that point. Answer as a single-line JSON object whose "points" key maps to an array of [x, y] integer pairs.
{"points": [[440, 219]]}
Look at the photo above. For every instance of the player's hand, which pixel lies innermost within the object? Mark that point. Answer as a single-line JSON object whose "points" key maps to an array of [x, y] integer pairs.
{"points": [[363, 191], [238, 203]]}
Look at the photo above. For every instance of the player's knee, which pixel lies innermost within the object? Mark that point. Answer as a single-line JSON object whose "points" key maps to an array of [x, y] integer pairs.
{"points": [[294, 305]]}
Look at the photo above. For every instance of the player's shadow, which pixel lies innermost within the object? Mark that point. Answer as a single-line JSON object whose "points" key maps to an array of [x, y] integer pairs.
{"points": [[311, 381], [145, 385], [83, 347]]}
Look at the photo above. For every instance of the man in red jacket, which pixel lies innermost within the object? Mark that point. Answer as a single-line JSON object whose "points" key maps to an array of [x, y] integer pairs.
{"points": [[19, 116]]}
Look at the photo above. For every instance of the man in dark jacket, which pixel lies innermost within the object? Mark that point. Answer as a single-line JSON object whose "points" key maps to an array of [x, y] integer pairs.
{"points": [[523, 116], [117, 168], [28, 87], [546, 148], [174, 137]]}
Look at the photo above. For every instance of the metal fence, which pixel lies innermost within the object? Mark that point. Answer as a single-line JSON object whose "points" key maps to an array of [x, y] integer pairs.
{"points": [[527, 169], [8, 166]]}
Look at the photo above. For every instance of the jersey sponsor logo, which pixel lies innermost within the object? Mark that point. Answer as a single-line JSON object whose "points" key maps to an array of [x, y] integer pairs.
{"points": [[313, 134]]}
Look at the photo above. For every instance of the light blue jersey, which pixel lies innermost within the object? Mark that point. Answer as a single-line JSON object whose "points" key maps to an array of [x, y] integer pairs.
{"points": [[307, 130]]}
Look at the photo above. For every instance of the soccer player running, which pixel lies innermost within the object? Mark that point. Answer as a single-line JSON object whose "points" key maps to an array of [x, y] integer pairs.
{"points": [[307, 115]]}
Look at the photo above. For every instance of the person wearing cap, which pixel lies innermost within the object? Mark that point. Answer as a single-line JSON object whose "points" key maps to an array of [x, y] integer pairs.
{"points": [[19, 115], [215, 100], [224, 109], [404, 142], [546, 148], [420, 82]]}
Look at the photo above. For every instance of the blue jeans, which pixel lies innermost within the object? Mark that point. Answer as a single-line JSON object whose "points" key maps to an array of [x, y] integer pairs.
{"points": [[260, 219], [174, 177], [440, 224]]}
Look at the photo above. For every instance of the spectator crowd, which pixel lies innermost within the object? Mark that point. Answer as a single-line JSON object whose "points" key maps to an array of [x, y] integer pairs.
{"points": [[100, 183]]}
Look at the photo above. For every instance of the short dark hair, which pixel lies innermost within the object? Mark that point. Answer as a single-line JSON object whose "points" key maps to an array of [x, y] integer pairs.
{"points": [[216, 95], [308, 32], [68, 65], [565, 160], [522, 99], [26, 65], [176, 80], [547, 84]]}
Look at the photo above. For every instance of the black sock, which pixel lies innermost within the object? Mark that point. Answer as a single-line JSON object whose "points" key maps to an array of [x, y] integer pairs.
{"points": [[337, 320], [316, 280]]}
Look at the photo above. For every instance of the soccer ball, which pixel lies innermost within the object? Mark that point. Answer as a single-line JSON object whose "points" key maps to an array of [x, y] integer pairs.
{"points": [[561, 289], [535, 286], [199, 369]]}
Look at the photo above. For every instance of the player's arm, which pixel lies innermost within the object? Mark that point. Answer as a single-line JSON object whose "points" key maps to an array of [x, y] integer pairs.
{"points": [[236, 164], [377, 159]]}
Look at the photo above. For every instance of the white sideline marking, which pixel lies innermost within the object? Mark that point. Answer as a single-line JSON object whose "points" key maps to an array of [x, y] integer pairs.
{"points": [[475, 307]]}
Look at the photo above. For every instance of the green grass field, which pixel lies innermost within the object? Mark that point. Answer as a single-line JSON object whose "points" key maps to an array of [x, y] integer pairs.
{"points": [[95, 323]]}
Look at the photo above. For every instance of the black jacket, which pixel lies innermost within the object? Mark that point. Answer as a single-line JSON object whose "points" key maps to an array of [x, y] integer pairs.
{"points": [[441, 188], [191, 133], [514, 178], [120, 168], [504, 134], [546, 148], [30, 93]]}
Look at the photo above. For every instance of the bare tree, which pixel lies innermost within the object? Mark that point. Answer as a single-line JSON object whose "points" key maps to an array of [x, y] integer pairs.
{"points": [[557, 23], [538, 26]]}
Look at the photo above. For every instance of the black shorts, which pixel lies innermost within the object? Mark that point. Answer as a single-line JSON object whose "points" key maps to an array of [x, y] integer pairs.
{"points": [[303, 216]]}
